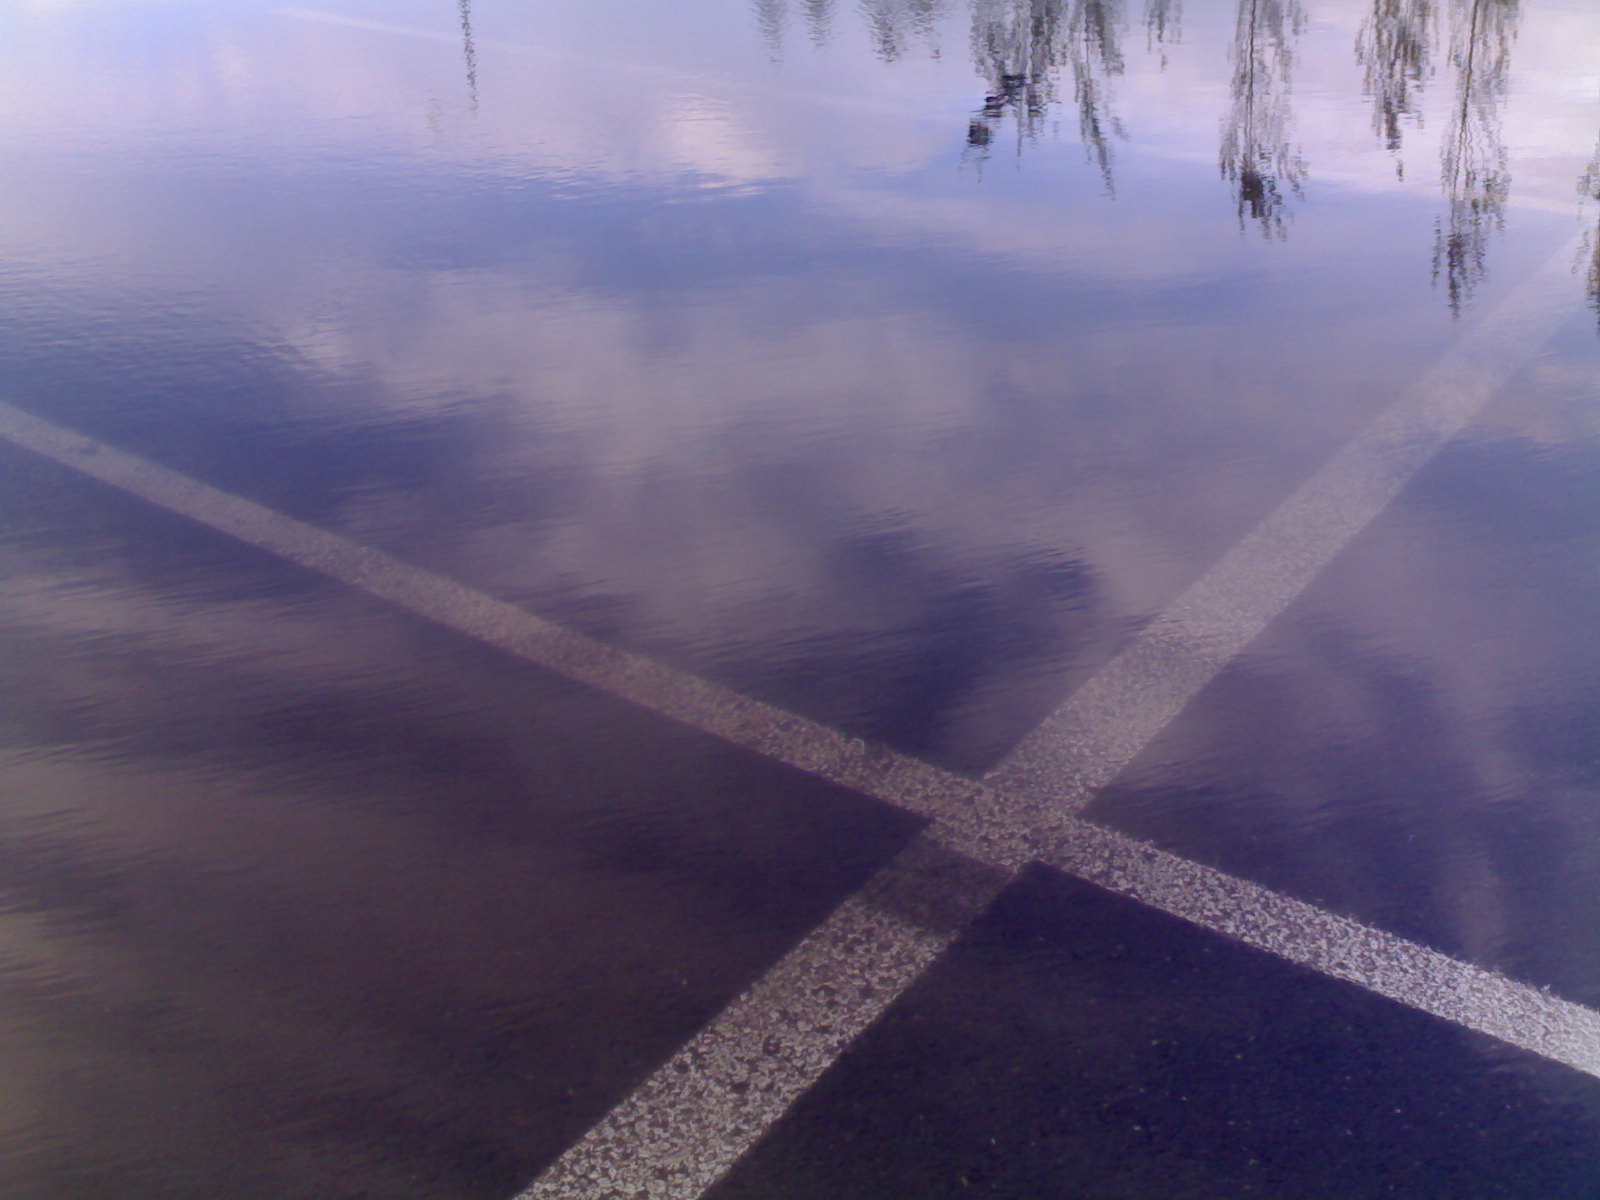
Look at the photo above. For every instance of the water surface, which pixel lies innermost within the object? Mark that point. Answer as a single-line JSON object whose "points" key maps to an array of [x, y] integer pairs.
{"points": [[893, 363]]}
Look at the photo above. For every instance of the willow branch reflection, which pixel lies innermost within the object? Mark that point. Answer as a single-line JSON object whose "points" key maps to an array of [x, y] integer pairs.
{"points": [[819, 20], [1589, 186], [1015, 47], [1094, 52], [1395, 49], [1019, 46], [1027, 50], [469, 53], [1473, 162], [896, 25], [770, 18], [893, 25], [1257, 156], [1163, 25]]}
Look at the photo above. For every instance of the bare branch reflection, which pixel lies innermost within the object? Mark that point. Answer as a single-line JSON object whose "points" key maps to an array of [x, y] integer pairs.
{"points": [[469, 52], [896, 25], [819, 20], [1257, 156], [1589, 186], [1396, 50], [771, 15], [1163, 23], [1018, 46], [1475, 172]]}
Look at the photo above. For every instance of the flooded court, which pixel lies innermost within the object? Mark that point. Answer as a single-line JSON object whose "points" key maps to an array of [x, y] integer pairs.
{"points": [[800, 600]]}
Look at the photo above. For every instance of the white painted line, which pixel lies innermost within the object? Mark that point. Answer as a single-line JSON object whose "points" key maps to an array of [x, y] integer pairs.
{"points": [[768, 731], [1479, 999], [1061, 765], [684, 1127], [677, 1134], [689, 1103]]}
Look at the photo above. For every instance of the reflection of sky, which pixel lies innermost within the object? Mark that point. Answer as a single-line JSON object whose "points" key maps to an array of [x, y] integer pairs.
{"points": [[618, 89], [627, 94], [741, 357], [1413, 740], [747, 356]]}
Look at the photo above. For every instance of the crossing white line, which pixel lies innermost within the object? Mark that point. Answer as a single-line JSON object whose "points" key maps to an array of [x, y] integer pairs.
{"points": [[690, 1122], [685, 1126], [1076, 751], [706, 706], [693, 1118]]}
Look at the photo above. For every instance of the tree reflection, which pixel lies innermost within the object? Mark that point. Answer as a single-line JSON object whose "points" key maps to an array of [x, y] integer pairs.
{"points": [[1257, 157], [1016, 48], [470, 53], [1163, 23], [896, 25], [1026, 50], [1475, 172], [819, 19], [893, 25], [1589, 185], [770, 18], [1095, 55], [1395, 49], [1019, 46]]}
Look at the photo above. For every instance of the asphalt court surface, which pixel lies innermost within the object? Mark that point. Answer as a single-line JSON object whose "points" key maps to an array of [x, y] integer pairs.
{"points": [[1076, 1044], [330, 901]]}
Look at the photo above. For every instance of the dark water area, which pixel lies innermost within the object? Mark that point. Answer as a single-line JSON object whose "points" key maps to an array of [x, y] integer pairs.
{"points": [[895, 364], [1075, 1044], [309, 899]]}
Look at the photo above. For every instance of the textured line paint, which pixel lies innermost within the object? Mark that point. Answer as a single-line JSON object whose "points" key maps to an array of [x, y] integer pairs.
{"points": [[1058, 768], [686, 1125], [678, 1133]]}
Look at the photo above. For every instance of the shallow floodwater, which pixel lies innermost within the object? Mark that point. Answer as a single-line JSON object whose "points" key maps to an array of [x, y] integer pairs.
{"points": [[894, 363]]}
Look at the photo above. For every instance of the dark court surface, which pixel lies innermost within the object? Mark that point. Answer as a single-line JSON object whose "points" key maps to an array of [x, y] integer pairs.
{"points": [[306, 898], [1074, 1045]]}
